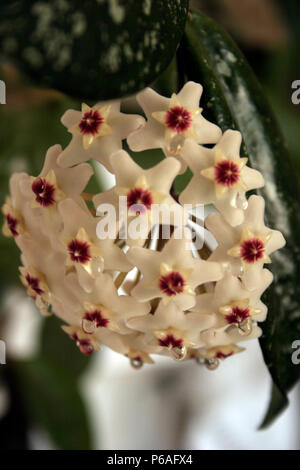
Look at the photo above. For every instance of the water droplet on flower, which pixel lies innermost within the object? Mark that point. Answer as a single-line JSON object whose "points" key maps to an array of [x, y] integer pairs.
{"points": [[245, 327], [88, 326], [241, 201], [176, 144], [212, 364], [85, 346], [136, 363], [178, 353]]}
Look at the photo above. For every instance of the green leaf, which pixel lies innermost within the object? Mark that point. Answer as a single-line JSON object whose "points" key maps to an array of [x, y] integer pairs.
{"points": [[93, 49], [53, 401], [233, 98], [59, 349], [167, 82], [278, 404]]}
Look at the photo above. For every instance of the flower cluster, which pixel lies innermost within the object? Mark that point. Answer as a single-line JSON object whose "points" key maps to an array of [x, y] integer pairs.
{"points": [[146, 295]]}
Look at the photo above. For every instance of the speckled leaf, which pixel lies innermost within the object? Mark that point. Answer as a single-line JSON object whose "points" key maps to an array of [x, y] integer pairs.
{"points": [[234, 99], [94, 49]]}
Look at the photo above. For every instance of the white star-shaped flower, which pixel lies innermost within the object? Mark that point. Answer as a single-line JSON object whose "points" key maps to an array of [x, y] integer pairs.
{"points": [[103, 307], [170, 121], [87, 344], [220, 176], [172, 274], [45, 265], [83, 250], [218, 353], [22, 218], [170, 330], [146, 191], [233, 305], [244, 249], [97, 133], [13, 220], [51, 186]]}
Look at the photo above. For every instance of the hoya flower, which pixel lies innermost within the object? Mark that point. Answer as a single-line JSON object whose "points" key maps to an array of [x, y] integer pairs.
{"points": [[52, 186], [172, 331], [129, 345], [55, 183], [13, 220], [87, 344], [84, 252], [138, 358], [220, 176], [17, 211], [96, 133], [233, 305], [28, 221], [213, 356], [50, 264], [35, 282], [105, 308], [147, 194], [219, 335], [170, 121], [46, 191], [244, 249], [162, 298], [172, 274]]}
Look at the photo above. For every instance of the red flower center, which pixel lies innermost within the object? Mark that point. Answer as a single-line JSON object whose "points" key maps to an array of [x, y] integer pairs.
{"points": [[227, 173], [137, 359], [97, 318], [252, 250], [178, 119], [139, 200], [84, 345], [33, 283], [172, 284], [170, 341], [220, 355], [79, 251], [91, 122], [237, 315], [44, 192], [12, 225]]}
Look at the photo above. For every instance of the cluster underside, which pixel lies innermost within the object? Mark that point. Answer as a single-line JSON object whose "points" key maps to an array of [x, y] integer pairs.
{"points": [[143, 294]]}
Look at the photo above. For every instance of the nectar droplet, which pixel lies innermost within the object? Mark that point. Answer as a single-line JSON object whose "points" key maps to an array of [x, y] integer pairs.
{"points": [[212, 364], [241, 201], [88, 326], [245, 327], [136, 363], [178, 353], [176, 144]]}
